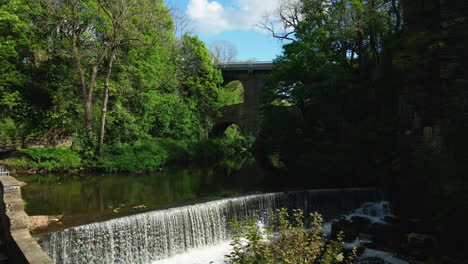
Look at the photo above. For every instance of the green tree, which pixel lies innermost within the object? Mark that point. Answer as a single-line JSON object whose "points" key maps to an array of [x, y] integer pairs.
{"points": [[326, 78], [201, 80], [92, 33], [15, 44]]}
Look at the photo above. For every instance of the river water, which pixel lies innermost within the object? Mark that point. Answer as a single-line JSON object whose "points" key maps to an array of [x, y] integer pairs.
{"points": [[96, 197], [172, 216]]}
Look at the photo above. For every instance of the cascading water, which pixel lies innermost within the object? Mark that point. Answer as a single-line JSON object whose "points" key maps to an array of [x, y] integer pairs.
{"points": [[160, 234]]}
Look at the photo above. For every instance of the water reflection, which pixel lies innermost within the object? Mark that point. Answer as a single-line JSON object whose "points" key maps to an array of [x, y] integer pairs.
{"points": [[85, 199]]}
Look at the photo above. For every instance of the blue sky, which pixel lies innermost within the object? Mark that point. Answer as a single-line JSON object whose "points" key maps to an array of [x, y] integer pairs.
{"points": [[233, 21]]}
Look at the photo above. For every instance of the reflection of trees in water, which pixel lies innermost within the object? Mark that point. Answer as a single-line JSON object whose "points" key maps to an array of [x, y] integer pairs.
{"points": [[98, 194]]}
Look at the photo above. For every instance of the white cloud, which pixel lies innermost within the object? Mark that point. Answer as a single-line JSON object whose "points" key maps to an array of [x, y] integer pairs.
{"points": [[212, 17]]}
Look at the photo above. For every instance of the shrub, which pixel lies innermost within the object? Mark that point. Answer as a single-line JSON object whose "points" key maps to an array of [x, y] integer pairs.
{"points": [[285, 241], [53, 159], [18, 163], [147, 155]]}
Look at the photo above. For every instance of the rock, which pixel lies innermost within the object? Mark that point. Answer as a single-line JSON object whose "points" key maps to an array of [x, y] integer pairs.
{"points": [[361, 223], [350, 230], [383, 235], [378, 257], [421, 245], [42, 221], [394, 221], [371, 260], [449, 260], [142, 206], [351, 227]]}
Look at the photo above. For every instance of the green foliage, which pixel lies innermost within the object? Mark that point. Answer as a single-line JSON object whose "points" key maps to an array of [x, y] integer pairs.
{"points": [[323, 86], [285, 241], [233, 131], [18, 163], [7, 127], [151, 154], [232, 93], [52, 159], [201, 80], [158, 87]]}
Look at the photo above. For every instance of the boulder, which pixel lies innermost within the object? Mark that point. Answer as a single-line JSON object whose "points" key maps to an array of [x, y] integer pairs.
{"points": [[351, 227], [420, 246], [350, 230]]}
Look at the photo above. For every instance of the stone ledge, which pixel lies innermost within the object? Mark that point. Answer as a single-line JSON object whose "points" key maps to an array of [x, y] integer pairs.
{"points": [[21, 246]]}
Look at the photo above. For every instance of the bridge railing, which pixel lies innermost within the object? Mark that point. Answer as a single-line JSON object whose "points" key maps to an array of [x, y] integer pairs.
{"points": [[4, 171]]}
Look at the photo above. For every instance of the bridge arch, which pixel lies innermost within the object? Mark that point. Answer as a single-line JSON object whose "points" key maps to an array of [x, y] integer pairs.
{"points": [[220, 129], [246, 115]]}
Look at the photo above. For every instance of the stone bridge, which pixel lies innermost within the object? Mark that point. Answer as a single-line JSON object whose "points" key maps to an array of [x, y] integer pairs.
{"points": [[247, 115]]}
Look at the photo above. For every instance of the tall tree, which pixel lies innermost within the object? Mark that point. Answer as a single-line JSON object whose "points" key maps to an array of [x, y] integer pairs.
{"points": [[128, 23], [223, 51], [92, 32], [201, 79]]}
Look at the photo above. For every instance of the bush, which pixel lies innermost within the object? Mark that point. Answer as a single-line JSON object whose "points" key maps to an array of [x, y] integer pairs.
{"points": [[52, 159], [147, 155], [18, 163], [285, 242]]}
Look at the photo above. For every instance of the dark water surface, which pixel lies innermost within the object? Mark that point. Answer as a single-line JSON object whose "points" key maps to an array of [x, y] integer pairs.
{"points": [[90, 198]]}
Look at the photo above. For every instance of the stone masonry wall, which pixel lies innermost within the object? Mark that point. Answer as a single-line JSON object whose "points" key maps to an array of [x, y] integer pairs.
{"points": [[454, 58], [21, 247]]}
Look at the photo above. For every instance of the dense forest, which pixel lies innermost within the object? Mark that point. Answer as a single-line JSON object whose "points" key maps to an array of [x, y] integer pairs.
{"points": [[112, 75], [374, 93], [365, 93]]}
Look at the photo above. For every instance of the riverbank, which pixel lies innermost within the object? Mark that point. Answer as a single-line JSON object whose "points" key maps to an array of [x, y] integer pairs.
{"points": [[142, 156]]}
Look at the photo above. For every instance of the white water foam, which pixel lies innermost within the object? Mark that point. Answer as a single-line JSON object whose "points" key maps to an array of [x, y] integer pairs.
{"points": [[204, 255], [375, 212]]}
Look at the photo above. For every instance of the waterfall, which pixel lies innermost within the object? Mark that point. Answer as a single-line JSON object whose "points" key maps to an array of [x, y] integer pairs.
{"points": [[160, 234]]}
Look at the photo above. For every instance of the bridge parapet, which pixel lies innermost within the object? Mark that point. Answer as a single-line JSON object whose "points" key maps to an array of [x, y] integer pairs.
{"points": [[250, 67]]}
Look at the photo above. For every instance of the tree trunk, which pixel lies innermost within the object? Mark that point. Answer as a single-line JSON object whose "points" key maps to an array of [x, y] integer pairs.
{"points": [[105, 99], [85, 92], [88, 104]]}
